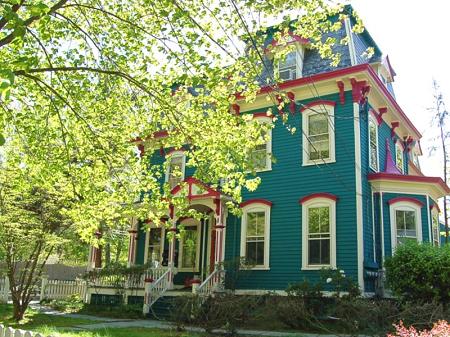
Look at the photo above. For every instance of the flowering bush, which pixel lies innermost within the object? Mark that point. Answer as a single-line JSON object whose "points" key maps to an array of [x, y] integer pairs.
{"points": [[440, 329]]}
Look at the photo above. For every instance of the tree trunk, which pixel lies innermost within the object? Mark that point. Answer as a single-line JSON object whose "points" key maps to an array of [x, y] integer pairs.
{"points": [[18, 310]]}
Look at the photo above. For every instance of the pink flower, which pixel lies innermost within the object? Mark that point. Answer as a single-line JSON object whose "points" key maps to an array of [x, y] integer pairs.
{"points": [[440, 329]]}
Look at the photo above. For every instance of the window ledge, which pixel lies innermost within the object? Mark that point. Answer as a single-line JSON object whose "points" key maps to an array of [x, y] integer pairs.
{"points": [[319, 267], [255, 268], [318, 162], [264, 170]]}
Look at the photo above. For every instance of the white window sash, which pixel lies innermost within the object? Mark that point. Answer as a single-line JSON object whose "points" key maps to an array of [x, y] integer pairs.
{"points": [[404, 206], [330, 235], [254, 208]]}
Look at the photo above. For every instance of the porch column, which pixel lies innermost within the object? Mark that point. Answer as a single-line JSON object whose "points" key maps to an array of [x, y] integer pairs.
{"points": [[95, 255], [219, 228], [172, 243], [132, 246]]}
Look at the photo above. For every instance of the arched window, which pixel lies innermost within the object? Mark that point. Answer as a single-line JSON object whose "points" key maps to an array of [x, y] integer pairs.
{"points": [[318, 133], [255, 233], [373, 143], [175, 168], [406, 222], [318, 231]]}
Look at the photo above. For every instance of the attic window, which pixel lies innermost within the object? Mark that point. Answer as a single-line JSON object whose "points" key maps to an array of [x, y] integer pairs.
{"points": [[290, 67]]}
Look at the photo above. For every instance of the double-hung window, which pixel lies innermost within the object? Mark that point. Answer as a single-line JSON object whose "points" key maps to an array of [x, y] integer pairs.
{"points": [[261, 156], [255, 234], [319, 233], [406, 224], [288, 68], [318, 134], [373, 144], [175, 168]]}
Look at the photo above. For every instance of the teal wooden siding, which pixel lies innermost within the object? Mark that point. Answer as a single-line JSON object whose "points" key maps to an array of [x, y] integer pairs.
{"points": [[387, 218], [284, 185], [140, 249]]}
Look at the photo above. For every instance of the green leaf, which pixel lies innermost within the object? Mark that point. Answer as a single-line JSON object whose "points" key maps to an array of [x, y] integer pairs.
{"points": [[2, 140]]}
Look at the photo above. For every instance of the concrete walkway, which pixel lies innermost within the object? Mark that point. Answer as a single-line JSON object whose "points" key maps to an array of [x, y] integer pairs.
{"points": [[102, 323]]}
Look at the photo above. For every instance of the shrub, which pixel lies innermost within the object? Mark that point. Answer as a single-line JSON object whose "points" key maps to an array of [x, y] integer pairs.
{"points": [[420, 272], [440, 329], [221, 311]]}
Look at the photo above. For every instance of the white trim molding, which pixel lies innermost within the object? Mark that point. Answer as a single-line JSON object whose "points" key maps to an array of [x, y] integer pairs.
{"points": [[328, 112], [358, 199], [404, 205], [306, 206], [250, 208]]}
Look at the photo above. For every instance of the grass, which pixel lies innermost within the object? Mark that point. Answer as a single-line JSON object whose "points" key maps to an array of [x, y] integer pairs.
{"points": [[118, 332], [54, 325]]}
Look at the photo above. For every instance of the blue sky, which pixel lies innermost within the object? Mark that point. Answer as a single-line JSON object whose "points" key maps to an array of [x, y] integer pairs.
{"points": [[416, 36]]}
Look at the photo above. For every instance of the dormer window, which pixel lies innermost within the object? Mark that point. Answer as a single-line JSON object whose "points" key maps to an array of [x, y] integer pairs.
{"points": [[291, 66]]}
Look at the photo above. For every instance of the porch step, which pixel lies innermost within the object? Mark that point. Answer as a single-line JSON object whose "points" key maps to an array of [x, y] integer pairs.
{"points": [[162, 308]]}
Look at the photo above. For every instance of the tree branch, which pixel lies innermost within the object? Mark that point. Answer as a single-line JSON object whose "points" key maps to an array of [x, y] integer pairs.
{"points": [[7, 39]]}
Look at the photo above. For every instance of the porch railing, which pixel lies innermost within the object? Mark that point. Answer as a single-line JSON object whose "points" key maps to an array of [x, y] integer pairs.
{"points": [[213, 283], [155, 288], [136, 281]]}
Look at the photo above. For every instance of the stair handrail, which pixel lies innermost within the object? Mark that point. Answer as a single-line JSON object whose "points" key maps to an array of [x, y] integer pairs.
{"points": [[154, 289], [212, 283]]}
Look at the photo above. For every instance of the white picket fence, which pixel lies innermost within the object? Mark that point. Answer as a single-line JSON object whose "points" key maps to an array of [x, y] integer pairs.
{"points": [[10, 332], [56, 289], [4, 290]]}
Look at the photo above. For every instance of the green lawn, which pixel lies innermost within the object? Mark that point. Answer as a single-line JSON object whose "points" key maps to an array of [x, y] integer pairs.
{"points": [[61, 326]]}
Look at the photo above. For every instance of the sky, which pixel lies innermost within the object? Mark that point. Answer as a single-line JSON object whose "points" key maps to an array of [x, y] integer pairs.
{"points": [[416, 36]]}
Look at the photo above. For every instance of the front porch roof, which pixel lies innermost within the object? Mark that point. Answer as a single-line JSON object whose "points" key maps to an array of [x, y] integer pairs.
{"points": [[435, 187], [196, 189]]}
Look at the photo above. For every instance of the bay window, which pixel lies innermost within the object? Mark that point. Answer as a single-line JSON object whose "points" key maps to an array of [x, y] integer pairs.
{"points": [[406, 223]]}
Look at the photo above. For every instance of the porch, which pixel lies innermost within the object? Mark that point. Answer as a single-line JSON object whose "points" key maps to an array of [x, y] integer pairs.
{"points": [[192, 263]]}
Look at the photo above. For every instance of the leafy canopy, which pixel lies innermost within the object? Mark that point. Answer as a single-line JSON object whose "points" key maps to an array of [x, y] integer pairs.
{"points": [[80, 79]]}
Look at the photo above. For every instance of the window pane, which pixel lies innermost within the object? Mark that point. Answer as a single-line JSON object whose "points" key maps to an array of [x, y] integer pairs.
{"points": [[255, 223], [319, 220], [317, 124], [319, 147], [255, 253], [155, 236], [319, 252], [290, 60], [189, 241]]}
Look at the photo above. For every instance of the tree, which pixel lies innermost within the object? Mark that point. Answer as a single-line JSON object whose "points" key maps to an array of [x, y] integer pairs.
{"points": [[80, 79], [34, 222], [440, 119]]}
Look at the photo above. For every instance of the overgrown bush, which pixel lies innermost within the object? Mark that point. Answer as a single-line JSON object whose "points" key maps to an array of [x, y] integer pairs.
{"points": [[420, 273], [221, 311], [72, 303]]}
